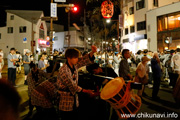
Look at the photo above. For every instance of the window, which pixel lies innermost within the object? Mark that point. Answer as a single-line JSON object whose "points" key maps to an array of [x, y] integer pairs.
{"points": [[41, 33], [168, 22], [155, 3], [132, 29], [131, 10], [141, 25], [126, 31], [12, 17], [22, 29], [0, 35], [140, 5], [10, 30]]}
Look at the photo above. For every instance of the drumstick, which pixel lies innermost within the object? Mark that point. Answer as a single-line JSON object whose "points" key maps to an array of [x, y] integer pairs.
{"points": [[105, 77]]}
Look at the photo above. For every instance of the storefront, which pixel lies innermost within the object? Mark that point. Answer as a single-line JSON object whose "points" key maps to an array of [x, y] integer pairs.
{"points": [[135, 43], [168, 31], [43, 44]]}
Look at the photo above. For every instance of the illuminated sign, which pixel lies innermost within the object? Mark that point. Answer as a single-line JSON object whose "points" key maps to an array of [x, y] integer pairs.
{"points": [[42, 42]]}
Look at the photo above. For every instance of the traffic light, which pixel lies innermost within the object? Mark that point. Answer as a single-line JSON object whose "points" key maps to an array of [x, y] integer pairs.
{"points": [[75, 9]]}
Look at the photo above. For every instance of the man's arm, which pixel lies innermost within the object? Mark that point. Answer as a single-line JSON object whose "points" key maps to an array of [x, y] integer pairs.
{"points": [[87, 59], [41, 66]]}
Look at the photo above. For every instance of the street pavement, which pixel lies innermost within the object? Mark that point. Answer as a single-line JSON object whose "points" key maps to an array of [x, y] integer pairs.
{"points": [[165, 106]]}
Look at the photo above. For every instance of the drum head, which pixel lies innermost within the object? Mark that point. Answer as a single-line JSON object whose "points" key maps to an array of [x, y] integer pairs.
{"points": [[112, 88]]}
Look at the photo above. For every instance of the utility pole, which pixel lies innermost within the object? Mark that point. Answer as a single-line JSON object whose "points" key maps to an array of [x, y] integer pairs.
{"points": [[51, 19], [32, 37], [84, 29], [69, 29], [67, 9], [51, 33]]}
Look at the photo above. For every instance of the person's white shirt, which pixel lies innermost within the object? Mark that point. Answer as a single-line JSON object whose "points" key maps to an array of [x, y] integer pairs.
{"points": [[175, 62]]}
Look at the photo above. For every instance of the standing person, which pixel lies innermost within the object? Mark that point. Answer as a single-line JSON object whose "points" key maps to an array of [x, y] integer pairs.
{"points": [[41, 64], [26, 63], [18, 69], [142, 74], [116, 62], [12, 58], [170, 69], [67, 82], [110, 59], [1, 53], [124, 68], [1, 65], [155, 61], [175, 66], [138, 57], [31, 59], [36, 58]]}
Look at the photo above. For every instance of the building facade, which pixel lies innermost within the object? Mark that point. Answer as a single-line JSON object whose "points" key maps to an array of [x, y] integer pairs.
{"points": [[136, 28], [164, 27], [23, 30], [76, 40]]}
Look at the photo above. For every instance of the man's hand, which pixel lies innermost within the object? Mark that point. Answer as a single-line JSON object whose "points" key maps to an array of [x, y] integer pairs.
{"points": [[47, 65], [130, 76], [90, 92], [105, 81], [93, 50]]}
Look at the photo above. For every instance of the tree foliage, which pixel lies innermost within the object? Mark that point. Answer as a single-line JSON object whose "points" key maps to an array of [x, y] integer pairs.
{"points": [[98, 25]]}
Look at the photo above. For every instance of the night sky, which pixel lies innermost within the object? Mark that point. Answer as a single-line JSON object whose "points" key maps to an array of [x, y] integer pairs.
{"points": [[43, 5]]}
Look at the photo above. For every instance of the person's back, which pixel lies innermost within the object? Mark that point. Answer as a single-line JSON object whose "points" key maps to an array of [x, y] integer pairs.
{"points": [[124, 69]]}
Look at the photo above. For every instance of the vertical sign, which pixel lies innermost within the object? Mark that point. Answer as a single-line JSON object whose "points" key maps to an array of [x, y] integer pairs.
{"points": [[53, 9], [60, 0], [120, 21]]}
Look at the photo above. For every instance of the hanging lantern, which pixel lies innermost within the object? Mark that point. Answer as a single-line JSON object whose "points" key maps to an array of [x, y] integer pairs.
{"points": [[107, 9]]}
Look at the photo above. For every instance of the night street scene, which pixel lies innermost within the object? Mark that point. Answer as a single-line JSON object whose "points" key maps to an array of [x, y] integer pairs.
{"points": [[89, 59]]}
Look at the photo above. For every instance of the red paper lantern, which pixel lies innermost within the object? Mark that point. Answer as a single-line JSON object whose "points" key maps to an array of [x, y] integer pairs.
{"points": [[107, 9]]}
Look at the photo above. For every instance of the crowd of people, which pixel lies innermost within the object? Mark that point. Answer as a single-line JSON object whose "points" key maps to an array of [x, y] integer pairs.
{"points": [[63, 83]]}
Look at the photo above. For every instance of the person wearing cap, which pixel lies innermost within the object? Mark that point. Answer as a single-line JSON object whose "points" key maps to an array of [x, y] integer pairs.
{"points": [[142, 74], [26, 63]]}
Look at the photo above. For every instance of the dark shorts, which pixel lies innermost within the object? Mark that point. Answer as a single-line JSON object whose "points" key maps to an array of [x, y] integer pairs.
{"points": [[26, 70]]}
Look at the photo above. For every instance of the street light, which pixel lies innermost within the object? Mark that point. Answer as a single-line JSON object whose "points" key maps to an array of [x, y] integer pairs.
{"points": [[108, 20]]}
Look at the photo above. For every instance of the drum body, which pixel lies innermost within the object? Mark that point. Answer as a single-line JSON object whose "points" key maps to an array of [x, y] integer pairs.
{"points": [[118, 94]]}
